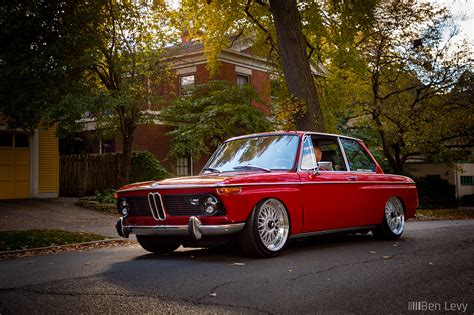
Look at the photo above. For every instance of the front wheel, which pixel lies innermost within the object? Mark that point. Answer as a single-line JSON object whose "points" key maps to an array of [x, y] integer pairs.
{"points": [[267, 229], [393, 221], [158, 244]]}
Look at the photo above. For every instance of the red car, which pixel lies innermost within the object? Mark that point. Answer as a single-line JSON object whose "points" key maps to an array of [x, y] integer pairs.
{"points": [[265, 189]]}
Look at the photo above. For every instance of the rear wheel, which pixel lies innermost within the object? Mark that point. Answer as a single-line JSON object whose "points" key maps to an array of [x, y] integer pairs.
{"points": [[267, 229], [158, 244], [393, 221]]}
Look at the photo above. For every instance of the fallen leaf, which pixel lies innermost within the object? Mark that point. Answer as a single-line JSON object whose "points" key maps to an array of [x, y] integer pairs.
{"points": [[373, 252], [395, 245], [289, 270], [191, 256], [86, 264], [430, 263], [387, 257], [213, 294], [238, 264]]}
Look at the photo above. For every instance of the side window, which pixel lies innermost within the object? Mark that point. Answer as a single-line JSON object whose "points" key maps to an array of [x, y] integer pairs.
{"points": [[328, 153], [324, 151], [357, 158], [308, 160]]}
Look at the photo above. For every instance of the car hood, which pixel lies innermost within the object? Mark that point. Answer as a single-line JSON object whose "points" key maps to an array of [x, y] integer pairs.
{"points": [[212, 180]]}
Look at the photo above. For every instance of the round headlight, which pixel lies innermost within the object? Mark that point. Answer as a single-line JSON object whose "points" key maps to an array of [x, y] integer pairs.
{"points": [[210, 204], [123, 207]]}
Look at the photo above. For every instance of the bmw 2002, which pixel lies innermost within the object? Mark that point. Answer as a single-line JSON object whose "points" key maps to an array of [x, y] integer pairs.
{"points": [[265, 189]]}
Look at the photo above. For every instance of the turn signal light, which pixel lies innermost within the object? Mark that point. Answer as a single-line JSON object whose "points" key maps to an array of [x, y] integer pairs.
{"points": [[229, 190]]}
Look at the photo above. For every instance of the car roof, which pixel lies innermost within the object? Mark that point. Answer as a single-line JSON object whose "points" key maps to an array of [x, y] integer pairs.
{"points": [[296, 133]]}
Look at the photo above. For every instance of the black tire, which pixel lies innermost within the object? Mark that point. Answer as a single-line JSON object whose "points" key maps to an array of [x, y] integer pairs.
{"points": [[387, 230], [250, 239], [158, 244]]}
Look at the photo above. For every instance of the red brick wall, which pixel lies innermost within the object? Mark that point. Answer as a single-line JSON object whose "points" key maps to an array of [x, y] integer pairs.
{"points": [[153, 138]]}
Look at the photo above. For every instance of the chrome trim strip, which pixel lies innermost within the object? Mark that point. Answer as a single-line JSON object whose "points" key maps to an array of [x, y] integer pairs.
{"points": [[324, 232], [151, 203], [344, 156], [265, 184], [161, 214], [184, 229], [357, 182]]}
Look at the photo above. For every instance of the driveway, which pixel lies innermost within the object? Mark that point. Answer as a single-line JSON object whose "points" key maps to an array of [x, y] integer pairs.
{"points": [[59, 214], [354, 274]]}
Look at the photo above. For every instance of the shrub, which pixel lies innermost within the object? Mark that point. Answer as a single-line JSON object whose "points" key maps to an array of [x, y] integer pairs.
{"points": [[434, 192], [145, 166], [467, 200]]}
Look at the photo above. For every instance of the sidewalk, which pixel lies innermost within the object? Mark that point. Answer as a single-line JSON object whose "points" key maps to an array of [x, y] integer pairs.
{"points": [[61, 214]]}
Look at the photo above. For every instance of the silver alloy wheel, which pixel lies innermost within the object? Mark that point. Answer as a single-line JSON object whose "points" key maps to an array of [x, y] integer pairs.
{"points": [[273, 224], [394, 215]]}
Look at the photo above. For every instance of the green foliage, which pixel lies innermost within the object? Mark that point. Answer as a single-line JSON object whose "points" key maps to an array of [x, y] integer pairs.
{"points": [[44, 54], [409, 91], [214, 112], [146, 167], [106, 196], [13, 240], [434, 192]]}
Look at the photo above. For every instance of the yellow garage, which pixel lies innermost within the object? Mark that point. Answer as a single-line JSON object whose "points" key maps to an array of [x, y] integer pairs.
{"points": [[15, 165], [29, 164]]}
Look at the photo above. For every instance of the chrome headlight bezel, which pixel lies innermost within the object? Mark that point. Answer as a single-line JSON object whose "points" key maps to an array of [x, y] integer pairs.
{"points": [[210, 205], [123, 207]]}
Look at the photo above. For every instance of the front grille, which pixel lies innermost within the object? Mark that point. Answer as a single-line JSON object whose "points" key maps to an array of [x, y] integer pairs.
{"points": [[138, 206], [183, 204], [156, 206]]}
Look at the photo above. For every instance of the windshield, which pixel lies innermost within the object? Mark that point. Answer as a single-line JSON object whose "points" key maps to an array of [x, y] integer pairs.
{"points": [[264, 153]]}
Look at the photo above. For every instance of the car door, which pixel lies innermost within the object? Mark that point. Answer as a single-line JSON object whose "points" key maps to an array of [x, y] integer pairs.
{"points": [[370, 191], [327, 195]]}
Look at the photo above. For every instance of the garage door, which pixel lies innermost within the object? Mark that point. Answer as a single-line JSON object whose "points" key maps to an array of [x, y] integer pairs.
{"points": [[14, 165]]}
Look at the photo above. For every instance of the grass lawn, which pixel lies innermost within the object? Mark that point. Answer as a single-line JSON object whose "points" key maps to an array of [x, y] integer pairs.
{"points": [[13, 240], [444, 214]]}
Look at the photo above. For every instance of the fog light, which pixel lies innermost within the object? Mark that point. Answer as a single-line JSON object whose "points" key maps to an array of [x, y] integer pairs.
{"points": [[210, 204], [123, 206]]}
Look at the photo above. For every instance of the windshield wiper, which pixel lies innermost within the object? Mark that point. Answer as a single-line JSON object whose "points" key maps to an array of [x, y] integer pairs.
{"points": [[211, 169], [250, 167]]}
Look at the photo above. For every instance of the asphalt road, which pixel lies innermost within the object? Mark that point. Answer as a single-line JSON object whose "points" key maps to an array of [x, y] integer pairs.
{"points": [[432, 263]]}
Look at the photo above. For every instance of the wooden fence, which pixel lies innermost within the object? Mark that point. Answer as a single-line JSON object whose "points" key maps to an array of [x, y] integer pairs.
{"points": [[85, 174]]}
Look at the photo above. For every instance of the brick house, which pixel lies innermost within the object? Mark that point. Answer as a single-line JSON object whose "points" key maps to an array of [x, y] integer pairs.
{"points": [[188, 63], [237, 66]]}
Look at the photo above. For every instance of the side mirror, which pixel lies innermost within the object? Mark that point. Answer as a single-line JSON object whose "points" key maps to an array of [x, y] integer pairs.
{"points": [[315, 170]]}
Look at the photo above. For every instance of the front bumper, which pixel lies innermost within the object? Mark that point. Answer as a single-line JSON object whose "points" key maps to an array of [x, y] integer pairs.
{"points": [[194, 229]]}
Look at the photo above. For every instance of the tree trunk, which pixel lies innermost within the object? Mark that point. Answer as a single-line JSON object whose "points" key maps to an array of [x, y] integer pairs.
{"points": [[127, 140], [296, 69]]}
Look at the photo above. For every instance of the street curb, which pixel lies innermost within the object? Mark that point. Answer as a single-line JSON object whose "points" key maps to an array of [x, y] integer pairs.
{"points": [[83, 244]]}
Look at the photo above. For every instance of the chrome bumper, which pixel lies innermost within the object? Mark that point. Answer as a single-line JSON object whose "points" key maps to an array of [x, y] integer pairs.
{"points": [[194, 229]]}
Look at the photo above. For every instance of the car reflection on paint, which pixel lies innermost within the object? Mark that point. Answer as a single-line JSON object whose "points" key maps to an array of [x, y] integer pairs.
{"points": [[265, 189]]}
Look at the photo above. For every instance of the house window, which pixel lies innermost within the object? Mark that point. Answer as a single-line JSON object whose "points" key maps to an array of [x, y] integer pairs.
{"points": [[186, 83], [22, 140], [242, 79], [6, 139], [467, 180], [184, 166]]}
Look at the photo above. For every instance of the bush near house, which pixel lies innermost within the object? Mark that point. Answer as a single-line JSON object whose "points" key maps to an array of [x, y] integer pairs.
{"points": [[146, 167], [434, 192], [467, 201]]}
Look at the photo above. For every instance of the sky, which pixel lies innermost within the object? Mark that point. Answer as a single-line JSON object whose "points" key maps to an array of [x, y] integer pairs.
{"points": [[463, 13]]}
